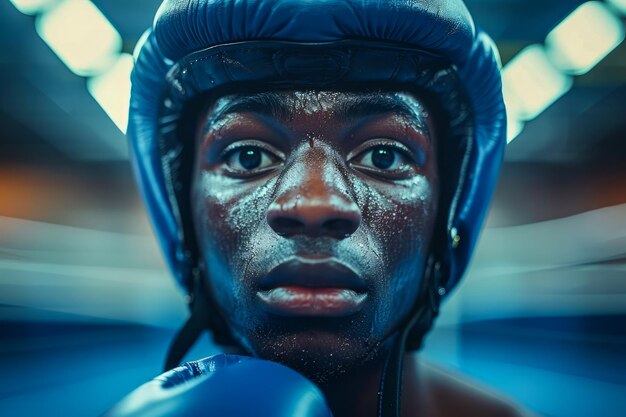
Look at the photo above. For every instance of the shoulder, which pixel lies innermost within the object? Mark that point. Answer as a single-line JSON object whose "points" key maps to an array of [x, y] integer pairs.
{"points": [[446, 393]]}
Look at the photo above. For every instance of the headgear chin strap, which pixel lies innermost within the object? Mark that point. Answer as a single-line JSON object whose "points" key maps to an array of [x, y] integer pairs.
{"points": [[424, 312]]}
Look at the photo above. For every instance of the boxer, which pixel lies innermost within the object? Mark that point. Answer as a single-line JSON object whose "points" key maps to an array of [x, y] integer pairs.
{"points": [[317, 173]]}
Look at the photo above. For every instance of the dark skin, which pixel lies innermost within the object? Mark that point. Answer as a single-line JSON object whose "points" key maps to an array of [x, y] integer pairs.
{"points": [[324, 178]]}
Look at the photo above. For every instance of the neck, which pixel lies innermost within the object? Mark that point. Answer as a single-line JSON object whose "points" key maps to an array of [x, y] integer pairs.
{"points": [[355, 393]]}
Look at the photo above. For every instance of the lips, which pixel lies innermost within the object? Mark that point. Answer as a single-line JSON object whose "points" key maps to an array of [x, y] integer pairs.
{"points": [[314, 288]]}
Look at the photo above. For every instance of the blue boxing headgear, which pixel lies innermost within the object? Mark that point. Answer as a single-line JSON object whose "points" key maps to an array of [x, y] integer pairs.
{"points": [[199, 47]]}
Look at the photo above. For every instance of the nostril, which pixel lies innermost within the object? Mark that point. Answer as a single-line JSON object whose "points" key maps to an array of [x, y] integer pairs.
{"points": [[312, 217], [339, 227], [286, 226]]}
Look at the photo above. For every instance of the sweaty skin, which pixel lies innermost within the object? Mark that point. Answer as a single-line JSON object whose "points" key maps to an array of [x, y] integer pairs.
{"points": [[314, 211]]}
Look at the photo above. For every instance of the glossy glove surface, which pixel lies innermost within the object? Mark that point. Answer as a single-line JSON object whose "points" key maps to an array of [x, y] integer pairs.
{"points": [[225, 386]]}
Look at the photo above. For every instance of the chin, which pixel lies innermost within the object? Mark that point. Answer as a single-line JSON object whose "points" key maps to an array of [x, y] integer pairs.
{"points": [[319, 355]]}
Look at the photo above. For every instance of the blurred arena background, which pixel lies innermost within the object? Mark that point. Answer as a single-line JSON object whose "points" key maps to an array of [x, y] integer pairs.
{"points": [[87, 308]]}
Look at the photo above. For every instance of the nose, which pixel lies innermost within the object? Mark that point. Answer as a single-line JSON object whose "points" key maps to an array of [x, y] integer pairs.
{"points": [[316, 206]]}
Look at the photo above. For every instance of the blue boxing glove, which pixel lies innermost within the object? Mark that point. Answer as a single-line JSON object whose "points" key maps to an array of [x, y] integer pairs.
{"points": [[225, 386]]}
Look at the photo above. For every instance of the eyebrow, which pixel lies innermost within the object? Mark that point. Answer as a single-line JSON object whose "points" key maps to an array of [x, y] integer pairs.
{"points": [[274, 105]]}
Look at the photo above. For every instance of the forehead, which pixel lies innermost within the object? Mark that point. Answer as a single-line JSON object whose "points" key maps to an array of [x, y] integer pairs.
{"points": [[339, 106]]}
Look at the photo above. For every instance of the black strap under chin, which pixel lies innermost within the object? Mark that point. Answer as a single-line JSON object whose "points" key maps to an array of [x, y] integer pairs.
{"points": [[390, 390], [189, 333]]}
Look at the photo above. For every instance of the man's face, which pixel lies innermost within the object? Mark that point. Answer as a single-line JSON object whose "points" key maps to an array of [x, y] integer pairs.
{"points": [[314, 211]]}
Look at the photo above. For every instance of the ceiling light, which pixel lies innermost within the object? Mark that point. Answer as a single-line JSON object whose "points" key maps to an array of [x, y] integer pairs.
{"points": [[80, 35], [531, 83], [618, 5], [584, 38], [112, 90], [513, 129], [31, 7]]}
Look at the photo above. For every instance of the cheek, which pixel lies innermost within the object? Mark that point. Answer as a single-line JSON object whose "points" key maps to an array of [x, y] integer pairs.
{"points": [[409, 217], [401, 219], [228, 219], [401, 216]]}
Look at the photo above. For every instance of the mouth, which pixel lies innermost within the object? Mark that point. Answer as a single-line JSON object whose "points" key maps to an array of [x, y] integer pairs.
{"points": [[312, 288]]}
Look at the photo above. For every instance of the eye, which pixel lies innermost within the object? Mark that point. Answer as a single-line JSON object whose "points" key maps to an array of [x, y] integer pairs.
{"points": [[249, 158], [388, 160], [381, 157]]}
